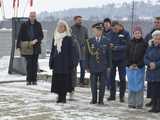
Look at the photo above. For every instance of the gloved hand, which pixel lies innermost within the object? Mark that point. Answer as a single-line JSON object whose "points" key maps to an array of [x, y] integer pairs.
{"points": [[34, 41]]}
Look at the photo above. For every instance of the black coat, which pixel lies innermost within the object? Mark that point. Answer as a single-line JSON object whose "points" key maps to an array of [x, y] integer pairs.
{"points": [[65, 61], [135, 52], [24, 35]]}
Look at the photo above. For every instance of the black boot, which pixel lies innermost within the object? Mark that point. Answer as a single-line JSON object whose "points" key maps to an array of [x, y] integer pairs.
{"points": [[122, 99], [28, 83], [149, 104], [34, 83], [93, 102], [111, 98], [154, 106], [59, 99], [62, 98], [158, 106], [101, 101]]}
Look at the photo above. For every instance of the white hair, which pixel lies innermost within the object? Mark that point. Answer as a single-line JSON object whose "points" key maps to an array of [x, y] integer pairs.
{"points": [[58, 37], [155, 33]]}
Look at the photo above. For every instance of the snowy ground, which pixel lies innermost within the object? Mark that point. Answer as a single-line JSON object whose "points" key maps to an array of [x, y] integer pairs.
{"points": [[44, 65], [4, 76], [20, 102]]}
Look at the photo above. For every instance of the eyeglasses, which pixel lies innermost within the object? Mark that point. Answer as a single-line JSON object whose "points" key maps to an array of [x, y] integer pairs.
{"points": [[157, 22], [32, 16]]}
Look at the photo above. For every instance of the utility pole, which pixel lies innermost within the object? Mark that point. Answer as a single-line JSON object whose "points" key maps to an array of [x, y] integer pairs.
{"points": [[132, 17]]}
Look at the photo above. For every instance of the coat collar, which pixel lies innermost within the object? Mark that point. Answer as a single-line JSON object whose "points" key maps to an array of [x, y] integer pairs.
{"points": [[137, 40]]}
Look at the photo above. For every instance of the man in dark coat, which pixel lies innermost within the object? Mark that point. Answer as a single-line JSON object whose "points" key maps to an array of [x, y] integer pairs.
{"points": [[147, 39], [107, 24], [80, 33], [156, 27], [97, 61], [31, 31], [118, 38]]}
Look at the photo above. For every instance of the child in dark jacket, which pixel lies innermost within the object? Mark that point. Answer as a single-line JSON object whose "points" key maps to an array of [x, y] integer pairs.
{"points": [[136, 69]]}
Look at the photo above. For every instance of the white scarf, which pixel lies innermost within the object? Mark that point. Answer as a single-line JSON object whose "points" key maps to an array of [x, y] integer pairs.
{"points": [[58, 37]]}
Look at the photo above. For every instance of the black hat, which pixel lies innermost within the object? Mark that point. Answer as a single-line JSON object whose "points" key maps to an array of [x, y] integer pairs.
{"points": [[107, 20], [98, 26], [157, 18]]}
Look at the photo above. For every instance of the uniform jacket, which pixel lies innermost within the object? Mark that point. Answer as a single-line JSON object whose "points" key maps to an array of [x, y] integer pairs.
{"points": [[104, 55]]}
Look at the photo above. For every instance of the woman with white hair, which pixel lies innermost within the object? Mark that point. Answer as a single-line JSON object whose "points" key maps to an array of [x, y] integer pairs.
{"points": [[152, 60], [63, 59]]}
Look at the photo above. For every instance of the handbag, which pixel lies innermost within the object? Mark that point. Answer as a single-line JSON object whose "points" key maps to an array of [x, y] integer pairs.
{"points": [[26, 48]]}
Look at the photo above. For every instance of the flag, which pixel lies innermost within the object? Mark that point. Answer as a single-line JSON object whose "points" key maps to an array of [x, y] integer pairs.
{"points": [[17, 3], [0, 3], [31, 3], [15, 7], [14, 3]]}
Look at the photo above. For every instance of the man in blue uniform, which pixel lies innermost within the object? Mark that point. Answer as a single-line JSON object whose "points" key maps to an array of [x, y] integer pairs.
{"points": [[97, 61], [118, 38]]}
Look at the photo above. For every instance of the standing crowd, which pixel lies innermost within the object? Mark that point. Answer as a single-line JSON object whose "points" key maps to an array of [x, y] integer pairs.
{"points": [[109, 49]]}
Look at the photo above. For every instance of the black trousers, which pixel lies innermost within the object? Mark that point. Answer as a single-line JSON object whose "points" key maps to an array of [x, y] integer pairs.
{"points": [[95, 77], [155, 95], [32, 68], [122, 76], [149, 90]]}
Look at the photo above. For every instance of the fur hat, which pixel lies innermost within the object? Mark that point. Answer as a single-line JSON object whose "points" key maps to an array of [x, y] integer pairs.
{"points": [[137, 28]]}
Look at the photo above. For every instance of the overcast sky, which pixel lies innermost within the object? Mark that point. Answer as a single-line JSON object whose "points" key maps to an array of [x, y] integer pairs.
{"points": [[55, 5]]}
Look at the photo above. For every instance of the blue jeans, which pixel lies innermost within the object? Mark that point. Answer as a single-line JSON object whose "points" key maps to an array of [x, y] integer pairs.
{"points": [[94, 80], [82, 70]]}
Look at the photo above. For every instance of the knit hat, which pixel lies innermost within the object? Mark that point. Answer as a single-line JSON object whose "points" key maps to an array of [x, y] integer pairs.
{"points": [[137, 28], [157, 32]]}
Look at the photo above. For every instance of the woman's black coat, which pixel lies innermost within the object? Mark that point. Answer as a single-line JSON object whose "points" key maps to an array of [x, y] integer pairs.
{"points": [[67, 59], [135, 52]]}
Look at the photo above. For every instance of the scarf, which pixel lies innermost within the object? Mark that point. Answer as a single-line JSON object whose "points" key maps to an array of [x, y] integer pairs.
{"points": [[59, 37]]}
